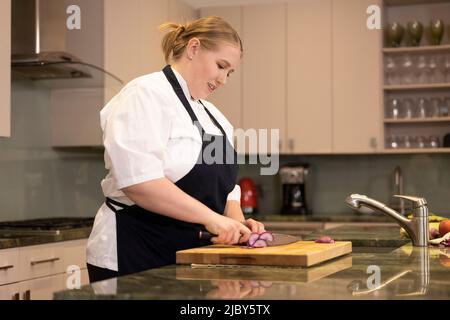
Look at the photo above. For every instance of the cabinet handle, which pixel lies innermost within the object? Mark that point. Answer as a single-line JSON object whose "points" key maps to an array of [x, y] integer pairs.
{"points": [[15, 296], [27, 295], [291, 144], [43, 261], [7, 267]]}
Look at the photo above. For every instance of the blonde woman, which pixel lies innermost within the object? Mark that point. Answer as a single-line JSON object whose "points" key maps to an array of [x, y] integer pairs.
{"points": [[161, 191]]}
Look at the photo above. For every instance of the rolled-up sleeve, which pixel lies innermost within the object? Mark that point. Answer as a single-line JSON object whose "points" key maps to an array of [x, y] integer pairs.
{"points": [[135, 136], [235, 194]]}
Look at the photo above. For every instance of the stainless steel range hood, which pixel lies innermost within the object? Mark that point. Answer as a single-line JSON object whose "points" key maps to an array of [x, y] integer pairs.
{"points": [[44, 49]]}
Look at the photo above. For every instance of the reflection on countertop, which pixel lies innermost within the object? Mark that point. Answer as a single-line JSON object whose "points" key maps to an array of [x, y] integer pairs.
{"points": [[405, 273]]}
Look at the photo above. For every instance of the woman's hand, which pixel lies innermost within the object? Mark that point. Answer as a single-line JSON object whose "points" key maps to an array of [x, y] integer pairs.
{"points": [[228, 230], [255, 226]]}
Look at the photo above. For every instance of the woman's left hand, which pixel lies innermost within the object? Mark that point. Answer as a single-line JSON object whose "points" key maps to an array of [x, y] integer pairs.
{"points": [[255, 226]]}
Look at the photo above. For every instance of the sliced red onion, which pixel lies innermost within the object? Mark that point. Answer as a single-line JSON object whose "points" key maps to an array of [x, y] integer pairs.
{"points": [[259, 244], [267, 236], [266, 284], [325, 239], [253, 238]]}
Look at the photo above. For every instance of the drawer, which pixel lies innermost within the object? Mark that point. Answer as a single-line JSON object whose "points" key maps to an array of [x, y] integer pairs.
{"points": [[10, 292], [9, 266], [41, 260], [74, 253]]}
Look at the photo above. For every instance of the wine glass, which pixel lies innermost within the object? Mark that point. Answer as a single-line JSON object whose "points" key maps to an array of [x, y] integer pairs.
{"points": [[421, 69], [393, 109], [407, 108], [395, 32], [407, 66], [422, 106], [415, 31], [432, 69], [392, 68], [437, 31], [446, 67]]}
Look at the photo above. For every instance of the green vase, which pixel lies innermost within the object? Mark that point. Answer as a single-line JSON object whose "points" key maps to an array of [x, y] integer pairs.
{"points": [[415, 31], [395, 33], [437, 31]]}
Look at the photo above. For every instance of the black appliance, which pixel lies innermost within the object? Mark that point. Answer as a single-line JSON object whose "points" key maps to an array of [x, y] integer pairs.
{"points": [[294, 181]]}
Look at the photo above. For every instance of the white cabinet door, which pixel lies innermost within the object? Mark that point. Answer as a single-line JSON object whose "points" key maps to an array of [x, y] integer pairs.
{"points": [[41, 260], [10, 292], [357, 78], [9, 266], [264, 69], [5, 68], [309, 90], [228, 99], [41, 288]]}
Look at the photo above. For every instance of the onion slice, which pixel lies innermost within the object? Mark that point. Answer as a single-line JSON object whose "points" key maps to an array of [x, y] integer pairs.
{"points": [[267, 236], [253, 237], [325, 239], [260, 243]]}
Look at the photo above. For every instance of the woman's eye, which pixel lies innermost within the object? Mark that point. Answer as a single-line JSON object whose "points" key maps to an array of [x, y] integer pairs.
{"points": [[220, 66]]}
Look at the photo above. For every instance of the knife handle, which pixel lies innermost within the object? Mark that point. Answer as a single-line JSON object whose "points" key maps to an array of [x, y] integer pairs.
{"points": [[205, 235]]}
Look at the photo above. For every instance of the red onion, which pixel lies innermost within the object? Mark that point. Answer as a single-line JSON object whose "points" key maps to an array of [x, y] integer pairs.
{"points": [[259, 240], [260, 243], [325, 239], [266, 236]]}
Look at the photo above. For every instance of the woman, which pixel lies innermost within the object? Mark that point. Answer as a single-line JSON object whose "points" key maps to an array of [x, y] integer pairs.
{"points": [[159, 134]]}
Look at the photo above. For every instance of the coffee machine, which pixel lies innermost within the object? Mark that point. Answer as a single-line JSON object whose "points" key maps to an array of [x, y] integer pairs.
{"points": [[294, 181]]}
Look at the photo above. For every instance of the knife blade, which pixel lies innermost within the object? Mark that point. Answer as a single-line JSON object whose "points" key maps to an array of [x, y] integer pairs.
{"points": [[279, 239]]}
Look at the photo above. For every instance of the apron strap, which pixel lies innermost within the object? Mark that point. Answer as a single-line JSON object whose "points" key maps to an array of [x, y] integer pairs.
{"points": [[168, 72], [111, 203]]}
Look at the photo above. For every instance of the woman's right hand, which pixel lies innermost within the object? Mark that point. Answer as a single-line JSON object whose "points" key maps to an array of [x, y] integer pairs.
{"points": [[228, 231]]}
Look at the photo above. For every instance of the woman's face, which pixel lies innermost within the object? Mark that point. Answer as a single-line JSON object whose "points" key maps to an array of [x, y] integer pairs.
{"points": [[209, 69]]}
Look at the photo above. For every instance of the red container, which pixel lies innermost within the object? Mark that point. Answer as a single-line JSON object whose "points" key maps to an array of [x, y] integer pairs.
{"points": [[249, 196]]}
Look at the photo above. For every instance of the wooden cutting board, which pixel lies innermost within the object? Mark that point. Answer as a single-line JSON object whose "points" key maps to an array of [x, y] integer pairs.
{"points": [[300, 253], [264, 273]]}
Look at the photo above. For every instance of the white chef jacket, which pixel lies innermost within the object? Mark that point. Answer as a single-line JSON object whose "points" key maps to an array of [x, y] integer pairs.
{"points": [[147, 135]]}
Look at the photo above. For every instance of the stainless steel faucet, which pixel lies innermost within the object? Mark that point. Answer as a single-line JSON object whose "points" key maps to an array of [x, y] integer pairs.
{"points": [[398, 184], [417, 227]]}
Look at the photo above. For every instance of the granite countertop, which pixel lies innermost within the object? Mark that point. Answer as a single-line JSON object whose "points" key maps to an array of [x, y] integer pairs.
{"points": [[404, 273], [363, 236], [14, 238], [319, 218]]}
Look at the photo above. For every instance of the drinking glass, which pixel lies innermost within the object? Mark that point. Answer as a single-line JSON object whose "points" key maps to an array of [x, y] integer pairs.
{"points": [[421, 74], [432, 69], [445, 106], [392, 142], [421, 142], [433, 108], [395, 32], [407, 109], [421, 109], [393, 109], [434, 142], [408, 142], [407, 68], [446, 67], [392, 68]]}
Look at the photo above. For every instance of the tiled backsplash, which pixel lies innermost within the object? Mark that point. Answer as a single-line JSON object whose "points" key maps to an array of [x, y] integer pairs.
{"points": [[38, 181], [334, 177]]}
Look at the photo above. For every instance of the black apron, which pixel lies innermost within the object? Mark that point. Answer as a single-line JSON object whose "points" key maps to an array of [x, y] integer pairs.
{"points": [[147, 239]]}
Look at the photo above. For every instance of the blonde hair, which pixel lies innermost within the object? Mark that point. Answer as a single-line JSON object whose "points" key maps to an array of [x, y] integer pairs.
{"points": [[211, 31]]}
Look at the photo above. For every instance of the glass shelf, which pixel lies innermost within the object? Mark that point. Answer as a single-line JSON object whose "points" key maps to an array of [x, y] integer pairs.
{"points": [[419, 86], [418, 120], [420, 49]]}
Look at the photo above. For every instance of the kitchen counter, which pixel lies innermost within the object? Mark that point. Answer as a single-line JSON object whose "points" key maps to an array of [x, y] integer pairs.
{"points": [[14, 238], [404, 273], [317, 218], [363, 236]]}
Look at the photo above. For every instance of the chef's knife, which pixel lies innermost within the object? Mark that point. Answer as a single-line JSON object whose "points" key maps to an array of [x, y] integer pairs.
{"points": [[279, 239]]}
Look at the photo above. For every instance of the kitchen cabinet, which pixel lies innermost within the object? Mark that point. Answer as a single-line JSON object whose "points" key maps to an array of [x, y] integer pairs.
{"points": [[36, 272], [356, 78], [131, 48], [229, 98], [5, 68], [309, 120], [264, 70]]}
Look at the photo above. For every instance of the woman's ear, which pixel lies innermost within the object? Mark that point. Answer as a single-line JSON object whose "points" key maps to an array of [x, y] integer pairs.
{"points": [[193, 46]]}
